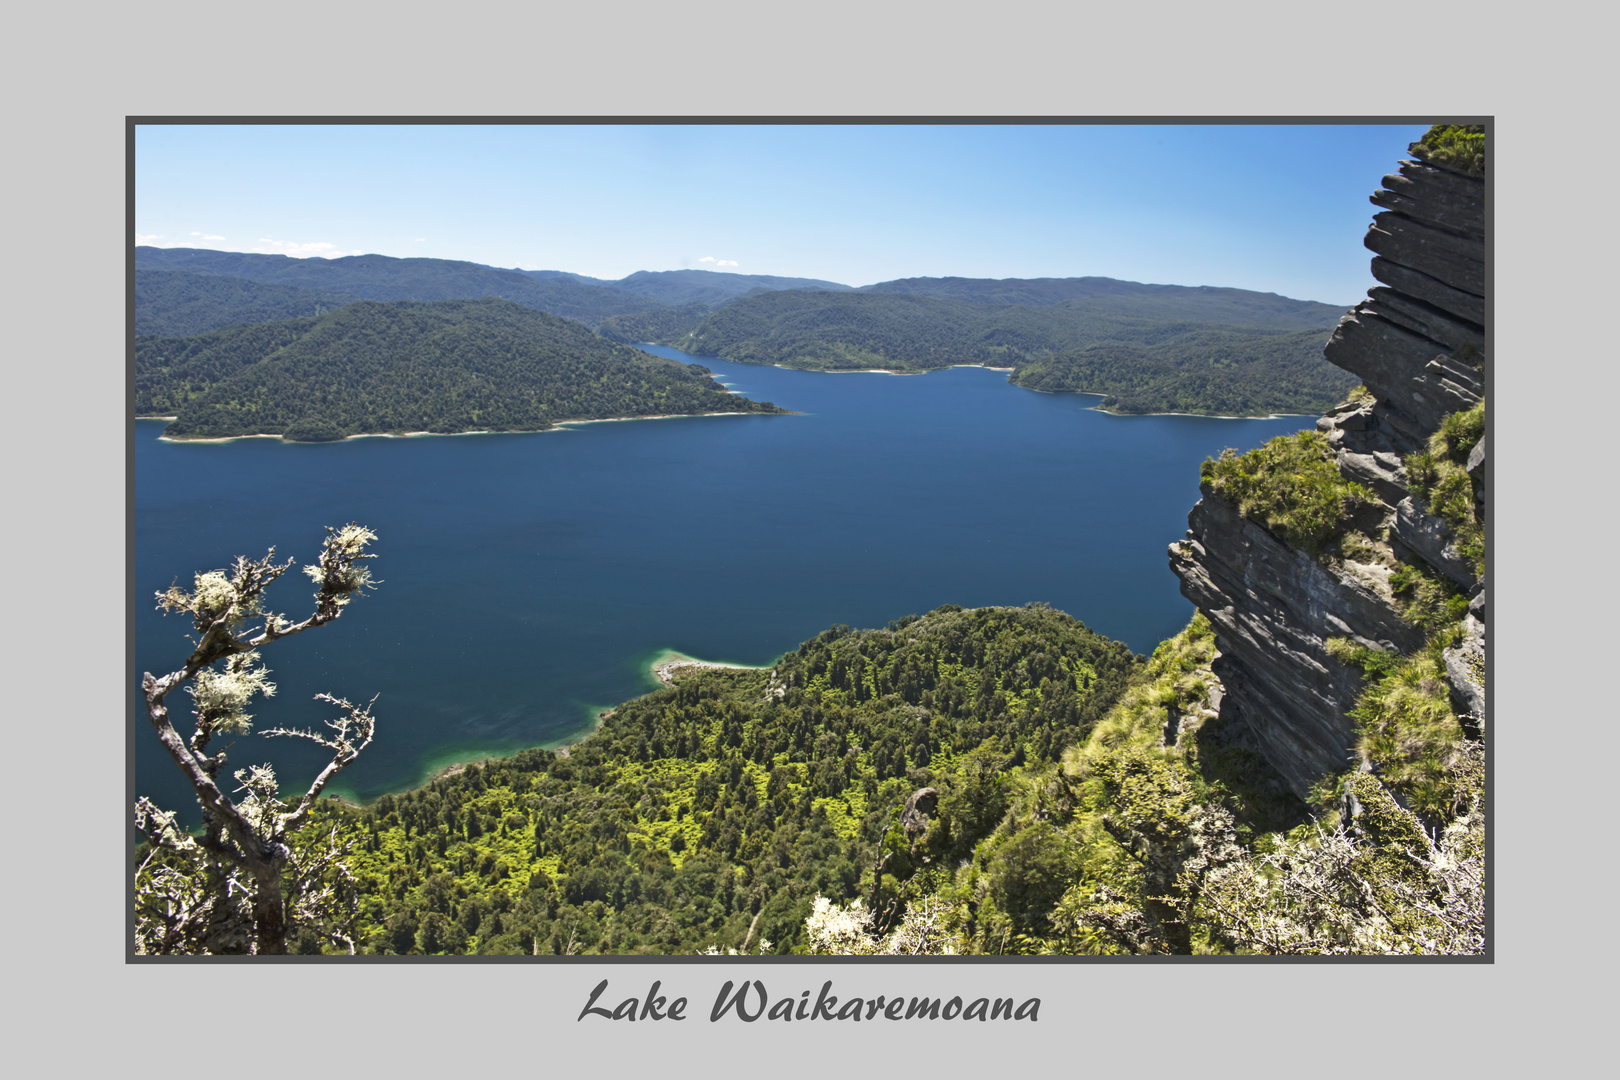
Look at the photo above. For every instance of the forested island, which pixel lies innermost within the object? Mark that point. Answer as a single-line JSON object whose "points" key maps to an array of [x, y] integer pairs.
{"points": [[392, 368]]}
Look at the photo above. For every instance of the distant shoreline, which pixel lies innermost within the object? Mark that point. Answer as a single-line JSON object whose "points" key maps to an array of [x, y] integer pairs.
{"points": [[989, 367], [448, 434]]}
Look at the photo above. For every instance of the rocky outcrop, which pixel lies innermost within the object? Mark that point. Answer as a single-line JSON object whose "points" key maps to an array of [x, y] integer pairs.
{"points": [[1419, 345], [1273, 608]]}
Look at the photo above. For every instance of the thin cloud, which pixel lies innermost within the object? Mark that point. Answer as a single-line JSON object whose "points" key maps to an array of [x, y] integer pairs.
{"points": [[318, 249], [718, 262], [202, 237]]}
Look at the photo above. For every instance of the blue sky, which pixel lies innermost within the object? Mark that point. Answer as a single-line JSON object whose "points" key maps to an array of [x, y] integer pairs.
{"points": [[1273, 208]]}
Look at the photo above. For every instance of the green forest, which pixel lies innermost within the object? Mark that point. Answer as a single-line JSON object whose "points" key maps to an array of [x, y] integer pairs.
{"points": [[1147, 352], [460, 365], [1202, 370], [712, 813]]}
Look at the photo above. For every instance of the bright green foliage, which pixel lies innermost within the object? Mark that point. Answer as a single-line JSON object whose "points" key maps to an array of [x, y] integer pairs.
{"points": [[1292, 486], [1426, 599], [715, 812], [1455, 146], [1409, 728], [1439, 477], [1083, 850]]}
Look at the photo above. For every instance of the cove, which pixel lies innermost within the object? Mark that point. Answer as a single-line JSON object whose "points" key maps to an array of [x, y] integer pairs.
{"points": [[528, 582]]}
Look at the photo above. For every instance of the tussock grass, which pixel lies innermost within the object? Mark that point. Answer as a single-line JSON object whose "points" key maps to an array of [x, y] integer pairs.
{"points": [[1455, 146], [1439, 477], [1292, 486]]}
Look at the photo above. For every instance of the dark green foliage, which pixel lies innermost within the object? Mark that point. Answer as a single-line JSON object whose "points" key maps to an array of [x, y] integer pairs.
{"points": [[1200, 370], [1292, 486], [1153, 352], [713, 812], [664, 324], [462, 365], [170, 372], [1455, 146], [179, 304]]}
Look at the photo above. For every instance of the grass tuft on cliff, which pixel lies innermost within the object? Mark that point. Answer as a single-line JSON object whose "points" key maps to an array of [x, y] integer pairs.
{"points": [[1459, 147], [1439, 477], [1292, 486]]}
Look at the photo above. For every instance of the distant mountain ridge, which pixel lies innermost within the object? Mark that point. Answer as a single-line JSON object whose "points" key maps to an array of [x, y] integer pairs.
{"points": [[1149, 348], [382, 277], [679, 288], [178, 303], [1207, 303]]}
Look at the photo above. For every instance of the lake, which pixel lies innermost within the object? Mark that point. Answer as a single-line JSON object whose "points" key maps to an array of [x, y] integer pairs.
{"points": [[528, 581]]}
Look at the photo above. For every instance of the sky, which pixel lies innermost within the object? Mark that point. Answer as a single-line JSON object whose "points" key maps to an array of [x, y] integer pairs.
{"points": [[1274, 208]]}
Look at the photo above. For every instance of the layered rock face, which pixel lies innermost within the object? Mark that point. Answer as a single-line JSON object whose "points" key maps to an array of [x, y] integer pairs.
{"points": [[1418, 344]]}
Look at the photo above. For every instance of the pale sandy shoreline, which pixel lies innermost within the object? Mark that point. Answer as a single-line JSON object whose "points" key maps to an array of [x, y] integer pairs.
{"points": [[664, 667], [454, 434]]}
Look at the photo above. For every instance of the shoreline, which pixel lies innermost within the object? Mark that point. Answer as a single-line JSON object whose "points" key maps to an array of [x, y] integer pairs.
{"points": [[664, 666], [557, 426]]}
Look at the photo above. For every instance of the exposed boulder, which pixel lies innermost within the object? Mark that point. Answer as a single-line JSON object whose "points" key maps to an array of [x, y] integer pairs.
{"points": [[919, 807]]}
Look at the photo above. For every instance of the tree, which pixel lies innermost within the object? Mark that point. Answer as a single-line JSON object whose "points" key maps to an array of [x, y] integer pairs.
{"points": [[244, 880]]}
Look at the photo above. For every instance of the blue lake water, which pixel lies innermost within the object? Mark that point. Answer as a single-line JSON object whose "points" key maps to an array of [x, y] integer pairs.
{"points": [[529, 580]]}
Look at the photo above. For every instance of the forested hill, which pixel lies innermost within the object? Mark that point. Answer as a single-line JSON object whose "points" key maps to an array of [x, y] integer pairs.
{"points": [[1187, 351], [1201, 303], [713, 813], [379, 277], [1199, 369], [459, 365]]}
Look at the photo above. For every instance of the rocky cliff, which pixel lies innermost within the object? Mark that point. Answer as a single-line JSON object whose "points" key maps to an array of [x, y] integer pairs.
{"points": [[1418, 343]]}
